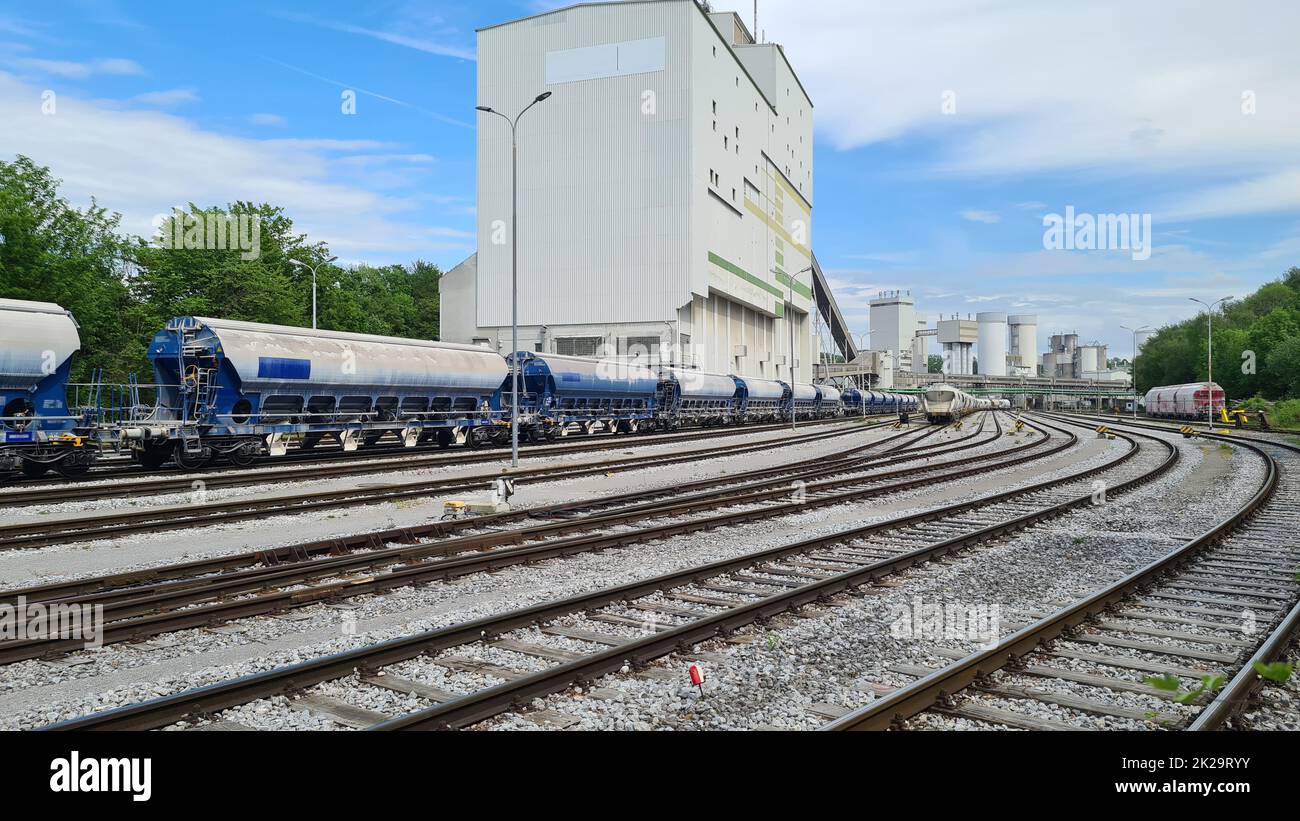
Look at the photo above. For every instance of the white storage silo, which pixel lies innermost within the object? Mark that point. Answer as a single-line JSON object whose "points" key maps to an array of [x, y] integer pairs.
{"points": [[992, 352], [1023, 339], [1088, 357]]}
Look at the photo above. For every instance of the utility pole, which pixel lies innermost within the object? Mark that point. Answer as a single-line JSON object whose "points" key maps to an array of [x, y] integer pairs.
{"points": [[1209, 355], [789, 320], [514, 271]]}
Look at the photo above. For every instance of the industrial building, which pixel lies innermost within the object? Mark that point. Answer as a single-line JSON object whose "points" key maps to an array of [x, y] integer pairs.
{"points": [[893, 325], [957, 337], [992, 336], [1022, 350], [1067, 359], [665, 194]]}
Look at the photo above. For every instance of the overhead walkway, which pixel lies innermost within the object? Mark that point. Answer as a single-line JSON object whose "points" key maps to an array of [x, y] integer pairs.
{"points": [[830, 311]]}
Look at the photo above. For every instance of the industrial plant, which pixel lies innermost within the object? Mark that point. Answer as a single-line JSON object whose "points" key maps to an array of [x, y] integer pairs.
{"points": [[620, 461]]}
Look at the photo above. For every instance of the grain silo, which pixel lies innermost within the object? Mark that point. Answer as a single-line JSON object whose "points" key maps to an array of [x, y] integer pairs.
{"points": [[992, 350], [1023, 348]]}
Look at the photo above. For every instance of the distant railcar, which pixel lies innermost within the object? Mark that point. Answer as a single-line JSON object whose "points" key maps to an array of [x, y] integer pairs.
{"points": [[691, 397], [39, 432], [803, 400], [240, 389], [1194, 400], [945, 403], [762, 400], [829, 401], [561, 395]]}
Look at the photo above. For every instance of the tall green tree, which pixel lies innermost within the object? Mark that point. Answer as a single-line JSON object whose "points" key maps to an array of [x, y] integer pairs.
{"points": [[53, 252], [123, 289], [1256, 346]]}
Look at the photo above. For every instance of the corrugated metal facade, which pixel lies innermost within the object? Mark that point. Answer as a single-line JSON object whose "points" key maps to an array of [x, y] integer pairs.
{"points": [[674, 200], [603, 187]]}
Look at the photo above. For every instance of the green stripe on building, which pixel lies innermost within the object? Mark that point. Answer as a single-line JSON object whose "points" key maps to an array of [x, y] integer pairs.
{"points": [[781, 277], [745, 275], [799, 288]]}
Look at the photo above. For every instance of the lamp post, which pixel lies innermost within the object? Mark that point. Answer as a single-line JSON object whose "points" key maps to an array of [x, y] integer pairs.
{"points": [[514, 270], [863, 346], [312, 268], [1133, 366], [1209, 353], [789, 320]]}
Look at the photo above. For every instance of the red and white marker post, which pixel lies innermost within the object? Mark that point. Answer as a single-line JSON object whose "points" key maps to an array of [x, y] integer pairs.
{"points": [[697, 677]]}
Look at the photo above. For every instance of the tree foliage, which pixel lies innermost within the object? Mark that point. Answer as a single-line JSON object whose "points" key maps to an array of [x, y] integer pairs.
{"points": [[1256, 346], [123, 289]]}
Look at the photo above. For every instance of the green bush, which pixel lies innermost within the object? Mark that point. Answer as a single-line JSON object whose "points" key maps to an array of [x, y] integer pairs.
{"points": [[1286, 414]]}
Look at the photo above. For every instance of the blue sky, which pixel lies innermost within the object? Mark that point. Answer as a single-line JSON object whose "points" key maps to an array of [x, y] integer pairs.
{"points": [[1130, 112]]}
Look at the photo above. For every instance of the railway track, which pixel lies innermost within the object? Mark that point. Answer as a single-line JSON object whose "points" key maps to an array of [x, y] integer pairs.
{"points": [[1175, 426], [667, 613], [1187, 622], [138, 604], [159, 518], [55, 491]]}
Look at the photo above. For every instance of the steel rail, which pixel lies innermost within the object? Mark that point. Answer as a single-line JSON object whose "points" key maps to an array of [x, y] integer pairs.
{"points": [[378, 540], [213, 698], [135, 613], [893, 709], [157, 519], [307, 465]]}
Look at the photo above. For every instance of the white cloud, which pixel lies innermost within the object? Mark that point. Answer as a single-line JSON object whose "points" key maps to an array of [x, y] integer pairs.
{"points": [[374, 94], [79, 71], [370, 160], [1275, 192], [419, 43], [1109, 87], [142, 163], [987, 217], [268, 119], [164, 99]]}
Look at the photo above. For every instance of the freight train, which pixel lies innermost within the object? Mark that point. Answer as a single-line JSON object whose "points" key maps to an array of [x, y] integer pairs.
{"points": [[944, 403], [1195, 400], [235, 391]]}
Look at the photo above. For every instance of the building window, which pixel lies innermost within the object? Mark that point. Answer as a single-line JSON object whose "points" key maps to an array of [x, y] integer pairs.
{"points": [[639, 346], [578, 345], [715, 106], [725, 144]]}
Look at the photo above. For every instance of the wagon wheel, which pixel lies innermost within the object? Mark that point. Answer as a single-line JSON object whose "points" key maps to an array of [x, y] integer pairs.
{"points": [[243, 456], [192, 461], [75, 465]]}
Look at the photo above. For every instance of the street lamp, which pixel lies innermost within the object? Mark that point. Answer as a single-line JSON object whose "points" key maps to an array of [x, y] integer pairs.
{"points": [[789, 320], [1209, 352], [1133, 366], [514, 271], [312, 268], [863, 346]]}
